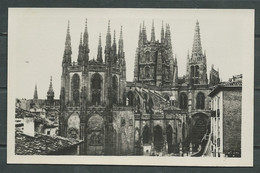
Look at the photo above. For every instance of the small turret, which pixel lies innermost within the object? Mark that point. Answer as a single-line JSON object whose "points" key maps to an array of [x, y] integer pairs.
{"points": [[35, 95], [50, 94], [162, 34], [67, 51], [81, 51], [153, 33], [85, 45], [108, 43], [99, 54]]}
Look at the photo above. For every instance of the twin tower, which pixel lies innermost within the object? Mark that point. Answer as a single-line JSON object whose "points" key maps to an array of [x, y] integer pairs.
{"points": [[103, 81]]}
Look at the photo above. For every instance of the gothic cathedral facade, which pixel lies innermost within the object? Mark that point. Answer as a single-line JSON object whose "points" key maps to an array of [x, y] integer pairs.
{"points": [[155, 113]]}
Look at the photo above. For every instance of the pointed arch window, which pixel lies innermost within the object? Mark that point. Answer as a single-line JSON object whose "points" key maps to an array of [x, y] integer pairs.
{"points": [[96, 82], [75, 85], [183, 101], [200, 101], [147, 56], [147, 72], [146, 135], [196, 71], [192, 71], [130, 97]]}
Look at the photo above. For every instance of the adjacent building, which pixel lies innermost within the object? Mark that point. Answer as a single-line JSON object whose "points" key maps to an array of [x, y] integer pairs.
{"points": [[226, 101]]}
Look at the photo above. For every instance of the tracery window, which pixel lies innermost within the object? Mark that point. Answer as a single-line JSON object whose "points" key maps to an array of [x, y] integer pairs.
{"points": [[147, 54], [95, 139], [183, 101], [96, 89], [75, 85], [200, 101]]}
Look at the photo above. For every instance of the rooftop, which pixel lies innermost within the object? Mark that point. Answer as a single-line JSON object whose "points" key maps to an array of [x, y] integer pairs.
{"points": [[226, 86], [41, 144]]}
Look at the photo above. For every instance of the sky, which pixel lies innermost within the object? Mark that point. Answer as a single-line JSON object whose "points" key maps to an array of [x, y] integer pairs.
{"points": [[37, 40]]}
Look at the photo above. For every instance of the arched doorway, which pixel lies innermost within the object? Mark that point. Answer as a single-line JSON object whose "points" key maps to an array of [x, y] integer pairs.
{"points": [[146, 135], [95, 135], [158, 138], [199, 127], [169, 138]]}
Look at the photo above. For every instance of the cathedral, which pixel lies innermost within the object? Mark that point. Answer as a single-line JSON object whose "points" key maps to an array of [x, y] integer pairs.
{"points": [[157, 112]]}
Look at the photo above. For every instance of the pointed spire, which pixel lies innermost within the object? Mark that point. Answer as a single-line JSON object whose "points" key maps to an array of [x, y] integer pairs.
{"points": [[153, 33], [121, 43], [35, 95], [80, 42], [108, 37], [140, 41], [168, 36], [81, 51], [197, 49], [50, 91], [68, 40], [99, 41], [144, 36], [114, 40], [162, 33], [99, 54], [85, 39]]}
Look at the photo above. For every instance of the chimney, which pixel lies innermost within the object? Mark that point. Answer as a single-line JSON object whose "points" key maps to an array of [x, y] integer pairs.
{"points": [[29, 125]]}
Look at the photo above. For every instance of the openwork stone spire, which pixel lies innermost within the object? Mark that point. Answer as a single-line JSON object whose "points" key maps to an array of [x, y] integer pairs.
{"points": [[68, 40], [197, 49]]}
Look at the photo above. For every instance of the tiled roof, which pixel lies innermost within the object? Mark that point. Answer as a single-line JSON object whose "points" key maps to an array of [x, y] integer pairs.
{"points": [[222, 85], [41, 144]]}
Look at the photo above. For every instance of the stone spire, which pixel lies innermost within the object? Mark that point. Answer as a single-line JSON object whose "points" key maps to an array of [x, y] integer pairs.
{"points": [[99, 54], [85, 44], [35, 95], [50, 91], [162, 34], [81, 51], [108, 38], [114, 41], [140, 41], [67, 51], [85, 39], [197, 49], [168, 36], [144, 36], [121, 43], [153, 33]]}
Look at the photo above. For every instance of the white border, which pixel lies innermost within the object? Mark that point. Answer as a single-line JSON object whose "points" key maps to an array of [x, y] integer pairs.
{"points": [[247, 123]]}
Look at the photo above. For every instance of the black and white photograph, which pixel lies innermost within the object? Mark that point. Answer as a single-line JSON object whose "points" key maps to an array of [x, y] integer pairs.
{"points": [[168, 87]]}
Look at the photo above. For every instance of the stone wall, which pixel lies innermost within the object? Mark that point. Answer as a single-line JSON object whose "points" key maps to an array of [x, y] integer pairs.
{"points": [[232, 120], [123, 123]]}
